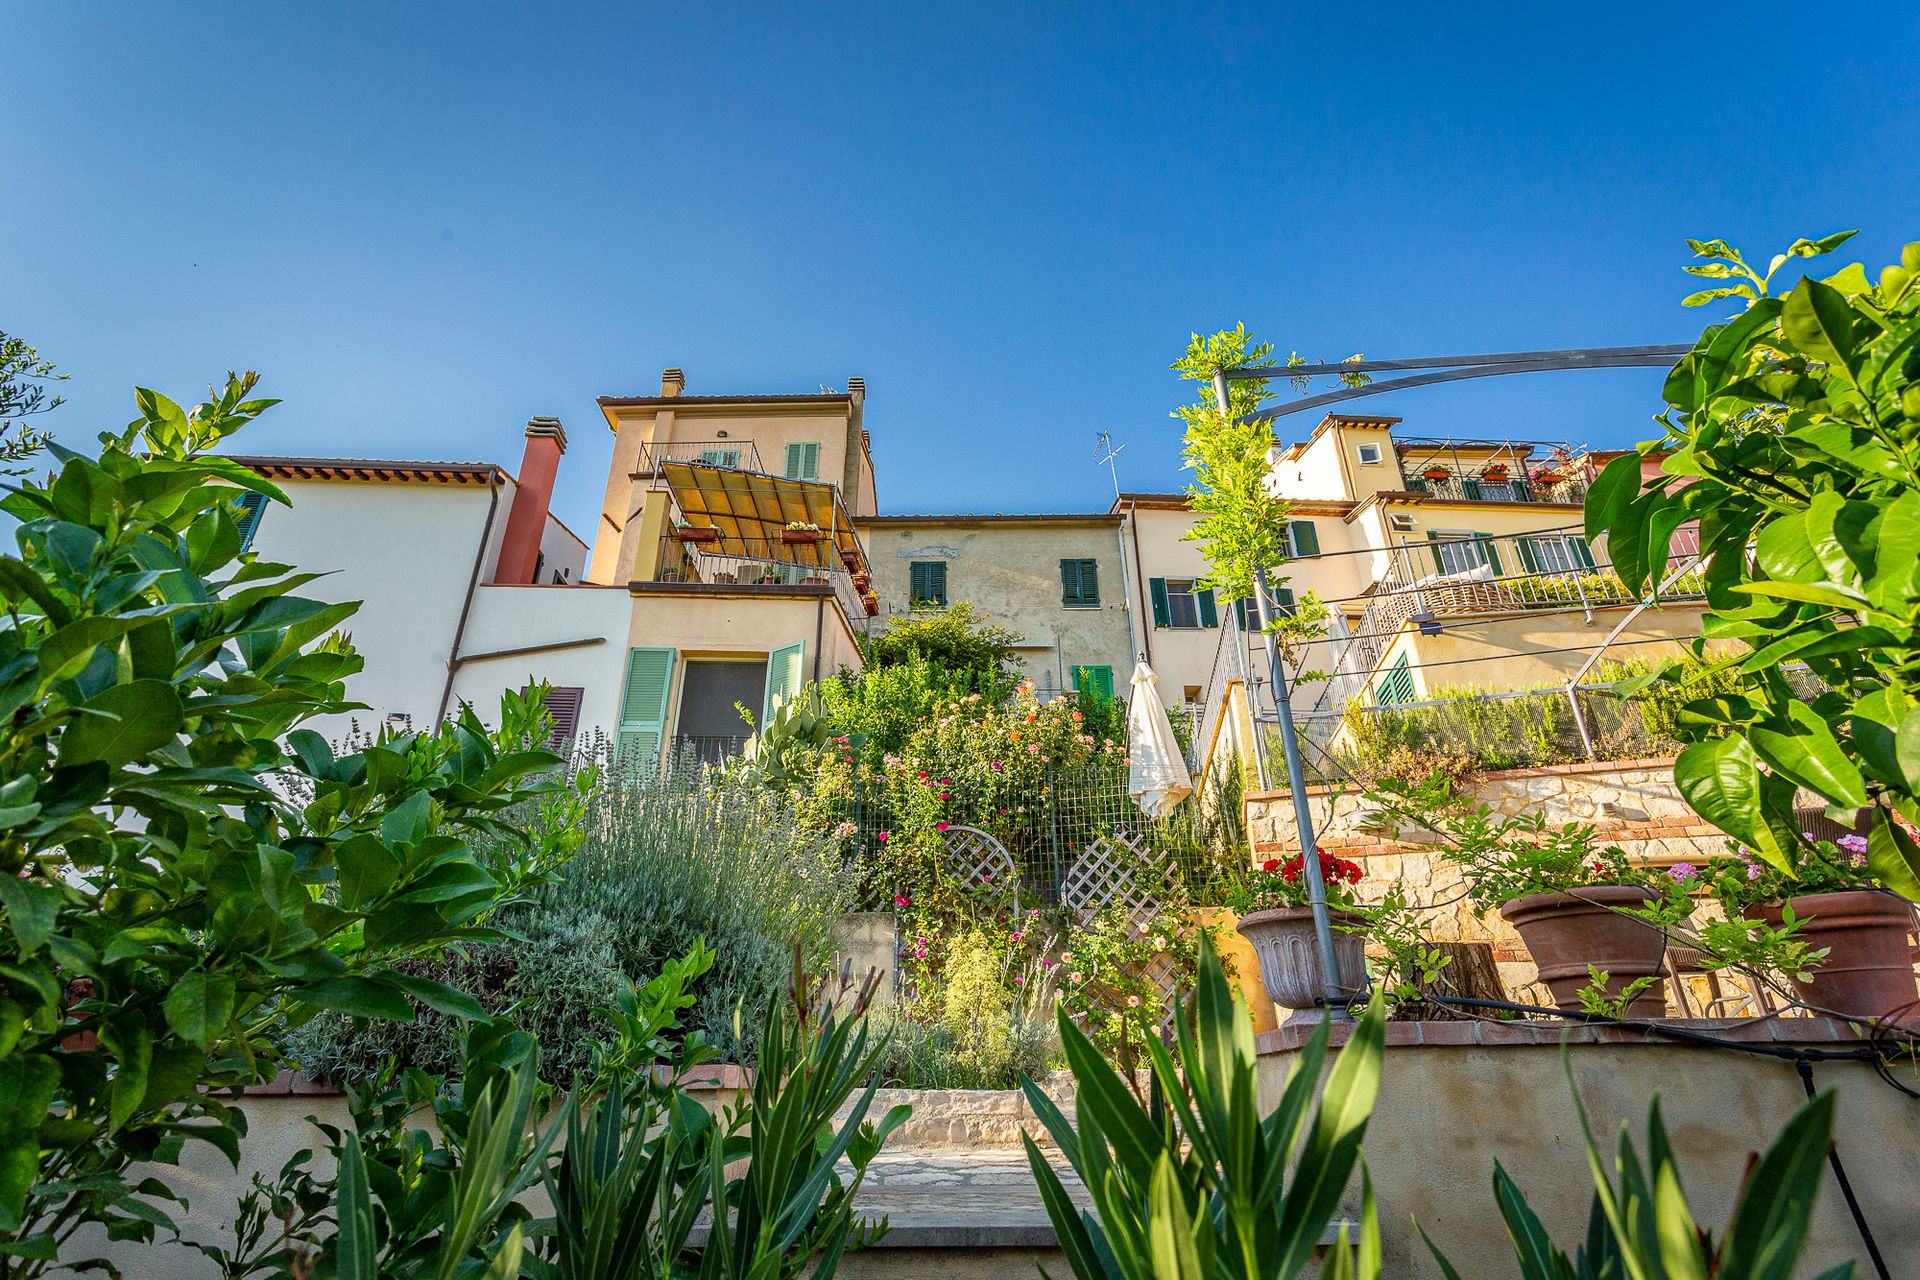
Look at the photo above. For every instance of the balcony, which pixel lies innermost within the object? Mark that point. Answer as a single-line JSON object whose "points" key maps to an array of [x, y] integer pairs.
{"points": [[730, 455], [1463, 576], [710, 557], [1503, 487]]}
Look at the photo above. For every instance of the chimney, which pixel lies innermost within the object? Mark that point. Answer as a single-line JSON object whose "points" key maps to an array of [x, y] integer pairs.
{"points": [[532, 494], [857, 388], [672, 383]]}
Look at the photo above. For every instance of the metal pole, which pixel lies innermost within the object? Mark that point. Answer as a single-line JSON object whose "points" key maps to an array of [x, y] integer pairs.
{"points": [[1330, 990], [1336, 997]]}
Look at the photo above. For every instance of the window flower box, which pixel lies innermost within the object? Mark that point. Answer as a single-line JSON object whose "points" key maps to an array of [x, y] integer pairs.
{"points": [[687, 533], [794, 537], [1496, 473], [1436, 474], [850, 558]]}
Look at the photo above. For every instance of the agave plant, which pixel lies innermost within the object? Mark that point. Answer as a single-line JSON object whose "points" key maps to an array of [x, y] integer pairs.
{"points": [[1193, 1182], [1642, 1229]]}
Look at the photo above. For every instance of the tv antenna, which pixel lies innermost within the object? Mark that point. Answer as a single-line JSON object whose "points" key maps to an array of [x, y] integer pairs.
{"points": [[1105, 450]]}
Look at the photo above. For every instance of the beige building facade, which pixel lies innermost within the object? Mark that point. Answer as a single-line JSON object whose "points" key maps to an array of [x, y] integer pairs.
{"points": [[1056, 581]]}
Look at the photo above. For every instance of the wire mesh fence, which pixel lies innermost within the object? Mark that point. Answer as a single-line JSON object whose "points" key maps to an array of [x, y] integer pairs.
{"points": [[1046, 831]]}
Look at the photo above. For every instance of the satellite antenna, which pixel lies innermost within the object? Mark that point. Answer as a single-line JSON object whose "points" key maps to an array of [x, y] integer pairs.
{"points": [[1105, 450]]}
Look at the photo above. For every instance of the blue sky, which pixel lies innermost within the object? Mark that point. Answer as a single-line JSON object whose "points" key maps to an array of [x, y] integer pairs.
{"points": [[425, 222]]}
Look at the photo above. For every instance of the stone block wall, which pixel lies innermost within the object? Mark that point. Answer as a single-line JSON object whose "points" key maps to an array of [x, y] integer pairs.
{"points": [[1630, 803]]}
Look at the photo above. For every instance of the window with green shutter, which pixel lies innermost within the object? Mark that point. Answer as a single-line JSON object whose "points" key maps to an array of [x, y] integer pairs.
{"points": [[1158, 588], [1279, 605], [720, 457], [1079, 584], [1396, 687], [785, 675], [927, 582], [1303, 538], [1179, 604], [803, 462], [643, 708], [251, 506], [1209, 616], [1097, 681]]}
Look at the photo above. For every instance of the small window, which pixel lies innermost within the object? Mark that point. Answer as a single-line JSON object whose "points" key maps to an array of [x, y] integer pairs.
{"points": [[1079, 584], [251, 506], [803, 462], [1396, 687], [1190, 694], [563, 705], [1369, 455], [927, 583]]}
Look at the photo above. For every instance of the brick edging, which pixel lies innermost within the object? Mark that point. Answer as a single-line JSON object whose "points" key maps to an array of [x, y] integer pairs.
{"points": [[1495, 775], [1551, 1033]]}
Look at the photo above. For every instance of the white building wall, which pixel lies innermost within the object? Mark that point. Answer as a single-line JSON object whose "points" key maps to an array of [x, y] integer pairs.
{"points": [[518, 617]]}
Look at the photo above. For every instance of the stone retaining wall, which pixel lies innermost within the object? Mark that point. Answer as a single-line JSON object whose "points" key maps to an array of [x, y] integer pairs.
{"points": [[1630, 803]]}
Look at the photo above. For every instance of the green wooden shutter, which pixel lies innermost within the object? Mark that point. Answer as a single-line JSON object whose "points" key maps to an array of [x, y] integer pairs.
{"points": [[1079, 583], [1240, 612], [1470, 486], [251, 506], [1581, 550], [1158, 587], [1491, 552], [939, 595], [1305, 539], [803, 461], [643, 707], [784, 677], [1097, 681], [1529, 554], [1396, 687], [1283, 602], [1439, 565], [927, 582], [720, 457], [1208, 616]]}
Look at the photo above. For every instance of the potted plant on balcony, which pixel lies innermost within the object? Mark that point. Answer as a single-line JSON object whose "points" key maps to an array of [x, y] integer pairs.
{"points": [[690, 533], [871, 603], [1593, 920], [850, 557], [1271, 902], [1496, 472], [799, 531], [1854, 929], [1435, 473]]}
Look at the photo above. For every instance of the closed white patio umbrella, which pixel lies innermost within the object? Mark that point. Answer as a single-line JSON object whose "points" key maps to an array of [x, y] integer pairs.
{"points": [[1157, 776]]}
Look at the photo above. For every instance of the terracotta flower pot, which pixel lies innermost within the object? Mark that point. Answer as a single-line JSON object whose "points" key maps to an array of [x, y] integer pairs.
{"points": [[1239, 956], [697, 535], [1436, 473], [1868, 973], [796, 536], [1289, 959], [1567, 932]]}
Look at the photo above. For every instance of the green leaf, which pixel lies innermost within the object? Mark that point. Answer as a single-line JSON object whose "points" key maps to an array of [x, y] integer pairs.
{"points": [[1825, 244], [439, 996], [199, 1007], [1721, 782], [1831, 594], [1616, 486], [1893, 856], [31, 909], [28, 1082], [1809, 754], [67, 651], [1818, 320], [360, 997], [127, 722], [1769, 1223]]}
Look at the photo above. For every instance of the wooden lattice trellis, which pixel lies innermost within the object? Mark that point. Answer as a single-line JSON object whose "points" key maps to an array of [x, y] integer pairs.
{"points": [[1120, 870], [975, 858]]}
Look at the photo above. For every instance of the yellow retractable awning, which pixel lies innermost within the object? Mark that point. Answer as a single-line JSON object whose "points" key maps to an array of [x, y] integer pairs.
{"points": [[753, 509]]}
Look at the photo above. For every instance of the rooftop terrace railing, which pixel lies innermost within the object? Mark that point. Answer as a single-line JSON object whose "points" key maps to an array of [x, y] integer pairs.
{"points": [[1511, 487], [710, 557], [735, 455]]}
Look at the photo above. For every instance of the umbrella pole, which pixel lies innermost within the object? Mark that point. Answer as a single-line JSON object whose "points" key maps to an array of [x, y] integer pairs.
{"points": [[1336, 999]]}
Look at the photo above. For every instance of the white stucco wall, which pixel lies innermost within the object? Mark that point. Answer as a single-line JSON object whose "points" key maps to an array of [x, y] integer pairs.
{"points": [[406, 551], [516, 617]]}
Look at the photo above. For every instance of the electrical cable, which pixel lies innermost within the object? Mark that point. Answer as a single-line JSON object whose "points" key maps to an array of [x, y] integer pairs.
{"points": [[1805, 1068]]}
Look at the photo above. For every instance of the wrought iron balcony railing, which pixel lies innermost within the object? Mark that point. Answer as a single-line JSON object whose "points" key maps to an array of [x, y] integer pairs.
{"points": [[736, 455], [709, 556], [1512, 487]]}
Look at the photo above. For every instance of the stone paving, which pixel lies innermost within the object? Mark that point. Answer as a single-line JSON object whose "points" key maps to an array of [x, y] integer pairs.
{"points": [[961, 1196]]}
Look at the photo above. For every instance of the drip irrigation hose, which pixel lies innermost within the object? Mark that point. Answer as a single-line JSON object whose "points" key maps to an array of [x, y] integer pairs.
{"points": [[1805, 1069]]}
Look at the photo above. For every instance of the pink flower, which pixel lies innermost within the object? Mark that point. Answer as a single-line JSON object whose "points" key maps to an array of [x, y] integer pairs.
{"points": [[1133, 1002], [1074, 976], [1753, 871], [1683, 872], [1015, 937], [940, 825], [1066, 957], [885, 836], [943, 795], [920, 953], [1033, 748], [994, 764], [902, 900], [1018, 980], [1046, 964]]}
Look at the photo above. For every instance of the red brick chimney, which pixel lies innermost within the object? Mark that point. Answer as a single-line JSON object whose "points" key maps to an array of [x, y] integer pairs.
{"points": [[533, 492]]}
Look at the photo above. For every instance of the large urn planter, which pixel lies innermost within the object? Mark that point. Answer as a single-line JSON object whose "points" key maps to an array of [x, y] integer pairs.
{"points": [[1566, 933], [1868, 972], [1283, 942], [1242, 963]]}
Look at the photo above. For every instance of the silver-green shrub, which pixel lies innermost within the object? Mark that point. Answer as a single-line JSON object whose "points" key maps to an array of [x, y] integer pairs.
{"points": [[668, 860]]}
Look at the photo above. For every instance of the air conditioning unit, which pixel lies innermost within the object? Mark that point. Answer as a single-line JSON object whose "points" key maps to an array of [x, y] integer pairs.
{"points": [[1400, 524]]}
